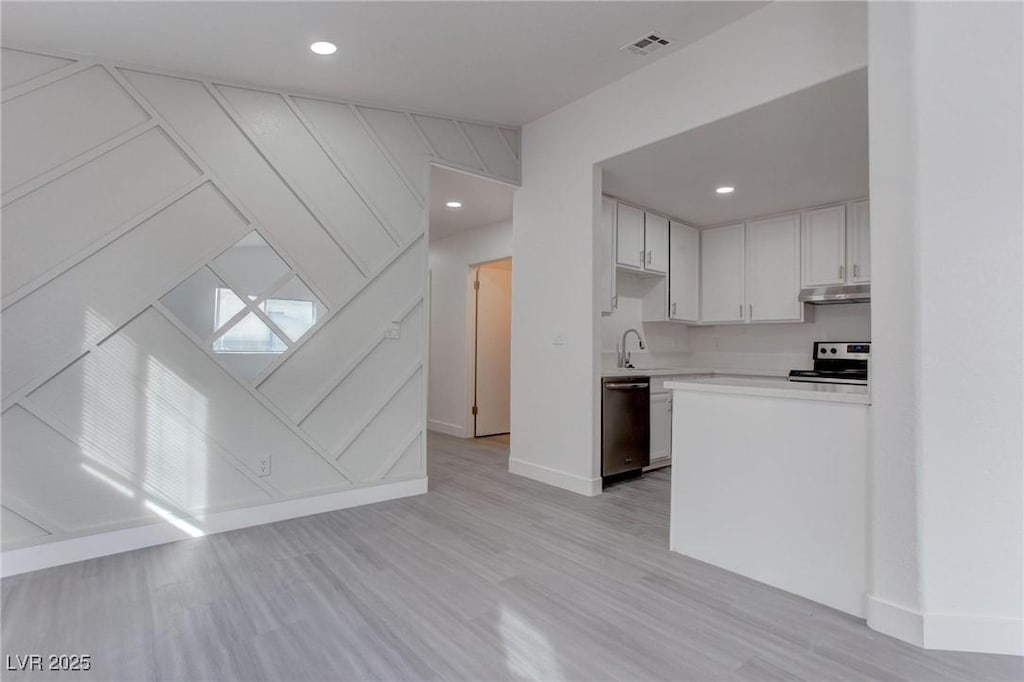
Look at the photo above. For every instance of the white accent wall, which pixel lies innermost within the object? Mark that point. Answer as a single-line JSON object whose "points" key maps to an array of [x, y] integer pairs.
{"points": [[947, 209], [123, 191], [775, 51], [452, 259]]}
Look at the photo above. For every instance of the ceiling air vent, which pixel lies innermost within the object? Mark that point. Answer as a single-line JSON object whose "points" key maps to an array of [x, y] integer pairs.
{"points": [[647, 44]]}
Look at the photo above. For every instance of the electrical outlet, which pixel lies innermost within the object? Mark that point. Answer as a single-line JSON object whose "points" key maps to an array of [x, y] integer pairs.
{"points": [[263, 466], [394, 331]]}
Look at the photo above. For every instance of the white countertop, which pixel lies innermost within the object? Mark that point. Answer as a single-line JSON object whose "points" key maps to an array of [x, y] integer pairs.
{"points": [[689, 371], [775, 387]]}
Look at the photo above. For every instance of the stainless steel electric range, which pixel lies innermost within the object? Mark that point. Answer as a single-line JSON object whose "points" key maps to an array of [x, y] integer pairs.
{"points": [[842, 362]]}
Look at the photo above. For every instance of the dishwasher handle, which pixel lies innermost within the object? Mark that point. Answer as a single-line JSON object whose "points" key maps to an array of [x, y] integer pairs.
{"points": [[627, 386]]}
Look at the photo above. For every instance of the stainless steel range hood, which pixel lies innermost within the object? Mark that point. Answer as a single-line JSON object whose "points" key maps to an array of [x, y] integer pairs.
{"points": [[840, 293]]}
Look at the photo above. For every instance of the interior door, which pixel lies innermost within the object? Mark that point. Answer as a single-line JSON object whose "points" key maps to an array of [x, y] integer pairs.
{"points": [[493, 348]]}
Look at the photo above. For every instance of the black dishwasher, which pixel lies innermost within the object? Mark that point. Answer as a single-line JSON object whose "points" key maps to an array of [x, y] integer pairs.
{"points": [[625, 427]]}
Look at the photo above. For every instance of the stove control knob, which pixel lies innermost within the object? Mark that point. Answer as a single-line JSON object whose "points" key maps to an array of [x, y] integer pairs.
{"points": [[832, 350], [822, 351]]}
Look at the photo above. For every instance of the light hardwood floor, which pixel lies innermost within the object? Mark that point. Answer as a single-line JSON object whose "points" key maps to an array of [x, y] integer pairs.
{"points": [[487, 577]]}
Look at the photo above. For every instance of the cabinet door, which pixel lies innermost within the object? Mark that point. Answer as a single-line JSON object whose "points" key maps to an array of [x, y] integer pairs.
{"points": [[629, 242], [722, 275], [824, 246], [656, 242], [858, 242], [605, 257], [684, 273], [773, 269], [661, 426]]}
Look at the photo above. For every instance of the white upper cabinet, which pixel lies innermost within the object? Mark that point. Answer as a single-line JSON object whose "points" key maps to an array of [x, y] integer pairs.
{"points": [[773, 269], [629, 241], [824, 246], [684, 273], [858, 242], [723, 274], [656, 242], [605, 254]]}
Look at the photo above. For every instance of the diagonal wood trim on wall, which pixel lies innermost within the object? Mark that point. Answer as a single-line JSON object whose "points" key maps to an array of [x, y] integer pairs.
{"points": [[296, 247]]}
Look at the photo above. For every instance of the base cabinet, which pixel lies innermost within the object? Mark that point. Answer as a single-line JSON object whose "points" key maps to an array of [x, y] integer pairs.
{"points": [[661, 430]]}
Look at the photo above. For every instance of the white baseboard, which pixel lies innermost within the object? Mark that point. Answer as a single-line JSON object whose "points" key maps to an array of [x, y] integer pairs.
{"points": [[895, 620], [67, 551], [556, 477], [947, 631], [447, 429]]}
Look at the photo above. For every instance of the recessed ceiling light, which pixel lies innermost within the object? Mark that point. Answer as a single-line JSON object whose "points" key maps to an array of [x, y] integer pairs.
{"points": [[454, 204], [725, 190], [323, 47]]}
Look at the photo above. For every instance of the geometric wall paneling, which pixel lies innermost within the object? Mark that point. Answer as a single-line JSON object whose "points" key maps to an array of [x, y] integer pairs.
{"points": [[16, 528], [404, 142], [180, 396], [200, 276], [448, 142], [311, 369], [51, 326], [408, 464], [44, 470], [135, 418], [18, 66], [494, 150], [312, 175], [512, 138], [75, 212], [251, 267], [364, 164], [196, 116], [370, 384], [61, 121], [381, 438]]}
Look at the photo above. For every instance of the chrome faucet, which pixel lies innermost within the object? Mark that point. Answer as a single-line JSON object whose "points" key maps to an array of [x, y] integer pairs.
{"points": [[622, 359]]}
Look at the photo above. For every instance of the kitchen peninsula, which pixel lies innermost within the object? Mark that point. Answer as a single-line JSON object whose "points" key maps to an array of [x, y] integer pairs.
{"points": [[769, 481]]}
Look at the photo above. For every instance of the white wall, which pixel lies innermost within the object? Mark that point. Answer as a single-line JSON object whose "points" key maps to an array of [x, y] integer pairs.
{"points": [[450, 394], [121, 425], [947, 216], [775, 51]]}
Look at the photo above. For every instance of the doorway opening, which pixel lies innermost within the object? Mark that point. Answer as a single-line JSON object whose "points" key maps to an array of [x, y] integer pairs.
{"points": [[492, 348], [470, 289]]}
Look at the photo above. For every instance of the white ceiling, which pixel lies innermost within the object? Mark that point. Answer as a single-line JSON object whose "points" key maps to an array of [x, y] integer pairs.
{"points": [[808, 148], [504, 62], [484, 202]]}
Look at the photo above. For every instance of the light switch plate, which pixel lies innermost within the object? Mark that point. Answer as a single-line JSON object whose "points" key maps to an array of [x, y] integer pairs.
{"points": [[394, 331]]}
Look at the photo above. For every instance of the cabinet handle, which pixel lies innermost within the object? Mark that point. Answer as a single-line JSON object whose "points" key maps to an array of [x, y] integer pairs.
{"points": [[856, 270], [842, 271], [648, 257], [673, 310], [615, 302], [751, 310], [741, 311]]}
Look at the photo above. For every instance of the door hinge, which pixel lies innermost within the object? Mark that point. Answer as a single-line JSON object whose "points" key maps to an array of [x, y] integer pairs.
{"points": [[475, 410], [476, 284]]}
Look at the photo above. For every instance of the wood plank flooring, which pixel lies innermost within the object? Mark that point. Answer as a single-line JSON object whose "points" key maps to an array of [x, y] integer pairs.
{"points": [[487, 577]]}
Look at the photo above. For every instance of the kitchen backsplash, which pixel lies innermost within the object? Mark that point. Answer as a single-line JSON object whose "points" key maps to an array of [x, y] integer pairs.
{"points": [[740, 346]]}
